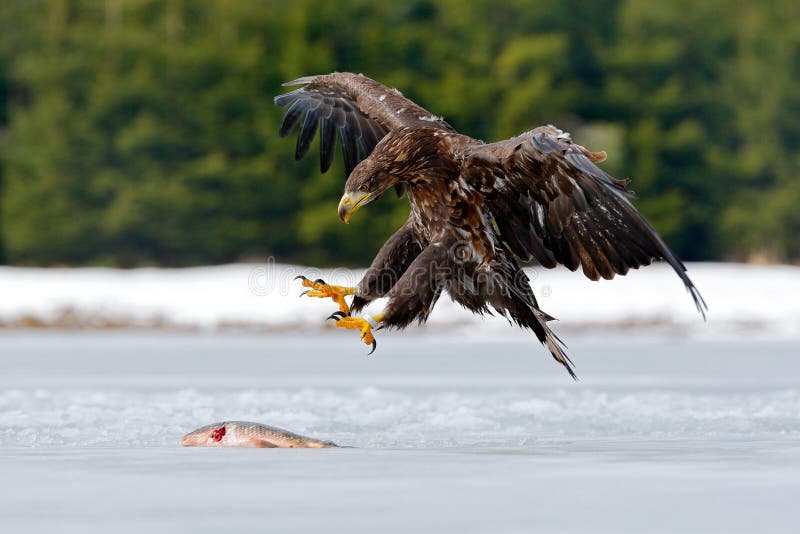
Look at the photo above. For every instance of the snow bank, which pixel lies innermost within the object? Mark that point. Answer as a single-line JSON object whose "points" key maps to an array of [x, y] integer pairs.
{"points": [[742, 299]]}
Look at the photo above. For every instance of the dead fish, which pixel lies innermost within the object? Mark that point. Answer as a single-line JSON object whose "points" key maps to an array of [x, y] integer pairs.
{"points": [[246, 434]]}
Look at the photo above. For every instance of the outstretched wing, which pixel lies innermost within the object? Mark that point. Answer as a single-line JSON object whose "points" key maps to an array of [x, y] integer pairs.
{"points": [[550, 201], [358, 108]]}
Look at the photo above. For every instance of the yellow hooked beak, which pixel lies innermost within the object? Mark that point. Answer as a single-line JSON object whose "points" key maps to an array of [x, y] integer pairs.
{"points": [[351, 202]]}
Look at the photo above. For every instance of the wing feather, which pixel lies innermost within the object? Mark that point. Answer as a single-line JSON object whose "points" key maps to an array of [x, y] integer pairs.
{"points": [[307, 131], [349, 150], [553, 203], [361, 109], [327, 142], [290, 118]]}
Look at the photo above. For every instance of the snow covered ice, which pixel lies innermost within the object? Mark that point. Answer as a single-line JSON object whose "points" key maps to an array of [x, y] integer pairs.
{"points": [[484, 435]]}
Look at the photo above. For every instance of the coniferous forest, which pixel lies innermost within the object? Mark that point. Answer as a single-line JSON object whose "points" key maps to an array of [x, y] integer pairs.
{"points": [[143, 132]]}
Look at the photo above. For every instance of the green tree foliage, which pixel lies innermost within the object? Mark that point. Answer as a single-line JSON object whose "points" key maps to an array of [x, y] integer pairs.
{"points": [[143, 131]]}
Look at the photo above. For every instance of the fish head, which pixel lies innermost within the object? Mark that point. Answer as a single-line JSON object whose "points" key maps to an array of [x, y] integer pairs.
{"points": [[207, 436]]}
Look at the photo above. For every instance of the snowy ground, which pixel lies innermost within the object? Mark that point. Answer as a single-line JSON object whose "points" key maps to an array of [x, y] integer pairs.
{"points": [[743, 300], [452, 434]]}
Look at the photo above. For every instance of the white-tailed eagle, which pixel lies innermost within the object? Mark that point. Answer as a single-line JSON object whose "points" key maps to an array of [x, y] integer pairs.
{"points": [[477, 209]]}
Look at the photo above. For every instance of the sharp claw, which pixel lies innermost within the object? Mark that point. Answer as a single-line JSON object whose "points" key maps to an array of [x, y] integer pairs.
{"points": [[300, 277], [304, 293], [374, 346], [319, 281], [339, 314], [332, 316]]}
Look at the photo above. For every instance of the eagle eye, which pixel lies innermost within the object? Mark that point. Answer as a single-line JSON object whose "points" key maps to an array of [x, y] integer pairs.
{"points": [[363, 187]]}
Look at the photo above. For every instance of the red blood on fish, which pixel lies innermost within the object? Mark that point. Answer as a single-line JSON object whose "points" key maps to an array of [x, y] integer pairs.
{"points": [[217, 434]]}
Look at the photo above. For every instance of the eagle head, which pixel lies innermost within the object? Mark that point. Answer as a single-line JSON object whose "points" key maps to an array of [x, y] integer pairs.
{"points": [[399, 157], [366, 183], [384, 168]]}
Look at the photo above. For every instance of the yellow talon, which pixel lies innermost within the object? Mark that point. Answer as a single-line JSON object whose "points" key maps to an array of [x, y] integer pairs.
{"points": [[322, 290], [362, 324]]}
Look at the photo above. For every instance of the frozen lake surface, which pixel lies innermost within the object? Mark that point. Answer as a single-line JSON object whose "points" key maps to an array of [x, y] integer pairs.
{"points": [[452, 435]]}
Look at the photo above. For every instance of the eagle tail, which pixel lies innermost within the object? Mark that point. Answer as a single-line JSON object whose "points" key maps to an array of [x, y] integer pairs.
{"points": [[517, 300], [530, 316], [553, 342]]}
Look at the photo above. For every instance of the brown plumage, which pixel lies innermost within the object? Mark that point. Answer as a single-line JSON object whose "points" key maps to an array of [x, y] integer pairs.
{"points": [[476, 208]]}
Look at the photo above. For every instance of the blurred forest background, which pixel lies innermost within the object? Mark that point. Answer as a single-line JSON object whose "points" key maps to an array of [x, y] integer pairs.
{"points": [[142, 132]]}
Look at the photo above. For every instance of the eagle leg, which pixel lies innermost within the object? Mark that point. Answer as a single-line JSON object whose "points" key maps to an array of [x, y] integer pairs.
{"points": [[364, 324], [319, 289]]}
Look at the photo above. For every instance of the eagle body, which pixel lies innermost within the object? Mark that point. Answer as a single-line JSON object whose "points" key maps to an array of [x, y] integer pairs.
{"points": [[476, 209], [448, 243]]}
